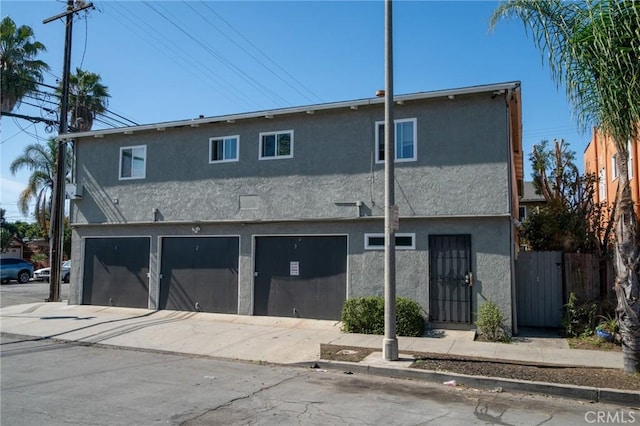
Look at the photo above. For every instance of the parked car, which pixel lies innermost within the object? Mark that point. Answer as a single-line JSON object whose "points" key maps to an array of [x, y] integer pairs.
{"points": [[13, 268], [44, 273]]}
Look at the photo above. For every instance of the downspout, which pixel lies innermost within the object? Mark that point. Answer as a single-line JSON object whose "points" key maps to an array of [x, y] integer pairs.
{"points": [[510, 178]]}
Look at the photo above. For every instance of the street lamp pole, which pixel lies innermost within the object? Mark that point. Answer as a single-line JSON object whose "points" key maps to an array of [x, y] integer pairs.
{"points": [[390, 342]]}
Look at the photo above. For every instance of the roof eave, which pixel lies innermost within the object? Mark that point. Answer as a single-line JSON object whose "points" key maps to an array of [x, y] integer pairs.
{"points": [[293, 110]]}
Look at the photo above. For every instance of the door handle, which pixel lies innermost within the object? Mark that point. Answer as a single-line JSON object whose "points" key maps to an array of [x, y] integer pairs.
{"points": [[468, 279]]}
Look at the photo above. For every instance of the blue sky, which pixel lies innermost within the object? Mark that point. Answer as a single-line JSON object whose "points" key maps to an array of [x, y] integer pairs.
{"points": [[173, 60]]}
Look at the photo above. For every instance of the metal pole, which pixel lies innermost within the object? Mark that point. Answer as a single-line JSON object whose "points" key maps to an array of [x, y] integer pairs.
{"points": [[390, 342]]}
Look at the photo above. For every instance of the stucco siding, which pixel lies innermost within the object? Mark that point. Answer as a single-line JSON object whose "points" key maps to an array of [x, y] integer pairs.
{"points": [[491, 262], [461, 168]]}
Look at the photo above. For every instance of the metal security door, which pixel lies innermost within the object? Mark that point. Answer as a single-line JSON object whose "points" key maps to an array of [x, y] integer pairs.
{"points": [[301, 276], [199, 274], [116, 272], [450, 278]]}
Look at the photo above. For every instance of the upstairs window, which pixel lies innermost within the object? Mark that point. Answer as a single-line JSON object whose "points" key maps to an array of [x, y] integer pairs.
{"points": [[406, 138], [133, 160], [276, 145], [602, 180], [522, 212], [223, 149], [614, 167]]}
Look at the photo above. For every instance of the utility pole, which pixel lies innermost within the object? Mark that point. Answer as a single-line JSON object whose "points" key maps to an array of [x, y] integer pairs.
{"points": [[57, 205], [390, 342]]}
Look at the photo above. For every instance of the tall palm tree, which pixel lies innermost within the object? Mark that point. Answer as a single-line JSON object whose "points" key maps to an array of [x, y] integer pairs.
{"points": [[593, 49], [87, 97], [41, 161], [21, 71]]}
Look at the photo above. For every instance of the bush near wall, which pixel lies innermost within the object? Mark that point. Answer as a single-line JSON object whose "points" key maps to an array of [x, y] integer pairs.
{"points": [[365, 315]]}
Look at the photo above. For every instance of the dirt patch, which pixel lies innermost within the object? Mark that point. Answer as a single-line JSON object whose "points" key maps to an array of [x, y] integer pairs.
{"points": [[593, 343], [580, 376], [344, 353]]}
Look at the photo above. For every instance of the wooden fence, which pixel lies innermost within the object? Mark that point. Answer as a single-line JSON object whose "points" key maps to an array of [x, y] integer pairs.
{"points": [[544, 281]]}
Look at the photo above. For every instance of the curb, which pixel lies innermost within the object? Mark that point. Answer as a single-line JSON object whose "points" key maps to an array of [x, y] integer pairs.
{"points": [[601, 395], [604, 395]]}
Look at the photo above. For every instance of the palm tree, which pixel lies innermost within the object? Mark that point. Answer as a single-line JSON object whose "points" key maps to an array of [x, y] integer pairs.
{"points": [[592, 48], [87, 97], [41, 161], [21, 71]]}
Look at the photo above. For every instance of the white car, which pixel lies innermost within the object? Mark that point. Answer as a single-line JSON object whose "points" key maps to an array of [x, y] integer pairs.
{"points": [[44, 273]]}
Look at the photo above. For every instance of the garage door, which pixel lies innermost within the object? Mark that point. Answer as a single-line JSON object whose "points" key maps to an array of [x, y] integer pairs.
{"points": [[116, 272], [199, 274], [301, 276]]}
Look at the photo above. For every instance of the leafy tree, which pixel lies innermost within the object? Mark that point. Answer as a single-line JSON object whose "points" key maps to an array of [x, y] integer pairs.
{"points": [[40, 160], [569, 221], [592, 49], [5, 240], [30, 231], [87, 97], [21, 71]]}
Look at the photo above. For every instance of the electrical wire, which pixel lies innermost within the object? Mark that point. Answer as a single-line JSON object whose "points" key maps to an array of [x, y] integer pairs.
{"points": [[224, 34], [238, 72], [160, 42]]}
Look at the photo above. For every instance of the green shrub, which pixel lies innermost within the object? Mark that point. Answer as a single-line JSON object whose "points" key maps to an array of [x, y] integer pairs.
{"points": [[579, 317], [363, 315], [366, 315], [491, 324], [409, 318]]}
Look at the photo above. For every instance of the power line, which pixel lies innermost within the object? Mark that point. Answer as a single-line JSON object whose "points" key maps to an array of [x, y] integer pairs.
{"points": [[126, 121], [261, 52], [162, 44], [239, 72], [224, 34]]}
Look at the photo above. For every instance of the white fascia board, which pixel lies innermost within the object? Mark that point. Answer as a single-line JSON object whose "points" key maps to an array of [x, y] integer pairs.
{"points": [[283, 111]]}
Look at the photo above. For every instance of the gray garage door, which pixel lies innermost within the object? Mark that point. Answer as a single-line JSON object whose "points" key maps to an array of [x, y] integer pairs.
{"points": [[199, 274], [302, 277], [116, 272]]}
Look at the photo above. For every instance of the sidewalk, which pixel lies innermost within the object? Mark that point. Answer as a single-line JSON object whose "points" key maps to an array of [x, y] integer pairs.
{"points": [[268, 339]]}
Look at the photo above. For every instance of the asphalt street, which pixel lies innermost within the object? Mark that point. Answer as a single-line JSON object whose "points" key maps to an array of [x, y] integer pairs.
{"points": [[14, 293], [53, 383]]}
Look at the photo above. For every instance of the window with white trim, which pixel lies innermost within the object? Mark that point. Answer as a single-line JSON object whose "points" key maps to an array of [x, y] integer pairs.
{"points": [[404, 241], [275, 145], [406, 139], [602, 181], [133, 162], [224, 149], [522, 212], [630, 147], [614, 167]]}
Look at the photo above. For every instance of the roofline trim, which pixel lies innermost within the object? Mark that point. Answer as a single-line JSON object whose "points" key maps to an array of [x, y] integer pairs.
{"points": [[293, 110]]}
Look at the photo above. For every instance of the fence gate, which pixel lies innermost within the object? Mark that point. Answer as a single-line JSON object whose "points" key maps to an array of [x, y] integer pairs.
{"points": [[539, 288]]}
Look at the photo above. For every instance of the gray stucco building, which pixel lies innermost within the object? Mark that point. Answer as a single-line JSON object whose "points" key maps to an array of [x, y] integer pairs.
{"points": [[281, 212]]}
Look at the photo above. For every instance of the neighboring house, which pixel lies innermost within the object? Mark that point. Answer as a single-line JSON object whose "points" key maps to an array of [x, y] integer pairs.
{"points": [[529, 201], [600, 159], [15, 249], [281, 212]]}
